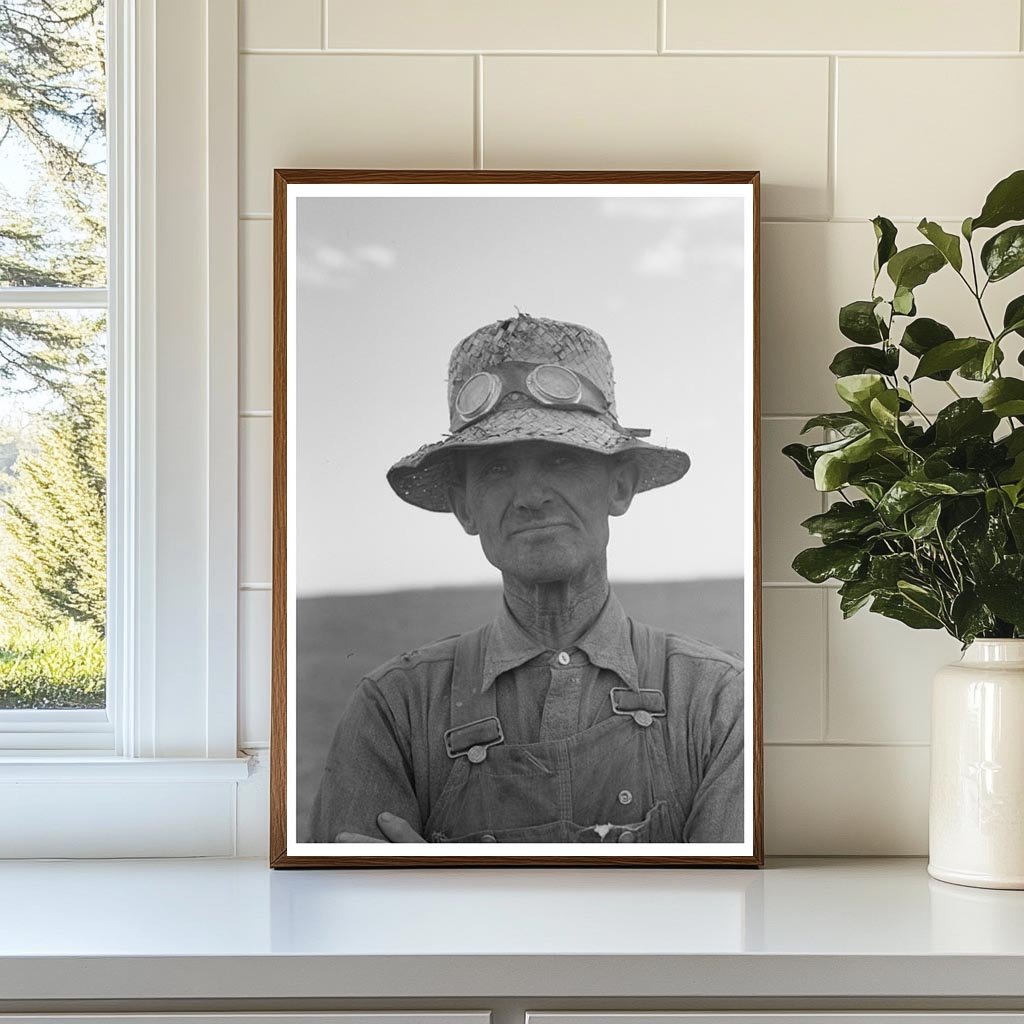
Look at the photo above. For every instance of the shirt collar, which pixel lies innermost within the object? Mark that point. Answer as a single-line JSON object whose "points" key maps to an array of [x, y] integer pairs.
{"points": [[607, 644]]}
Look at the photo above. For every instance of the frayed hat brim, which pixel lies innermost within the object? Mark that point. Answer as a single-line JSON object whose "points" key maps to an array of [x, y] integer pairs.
{"points": [[422, 478]]}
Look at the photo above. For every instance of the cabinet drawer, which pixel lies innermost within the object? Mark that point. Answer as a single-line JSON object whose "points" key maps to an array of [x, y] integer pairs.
{"points": [[786, 1017]]}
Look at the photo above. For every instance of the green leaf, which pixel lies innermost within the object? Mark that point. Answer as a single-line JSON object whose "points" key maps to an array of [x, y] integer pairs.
{"points": [[1013, 317], [840, 561], [966, 229], [842, 521], [898, 607], [903, 302], [966, 417], [905, 494], [858, 389], [990, 360], [912, 267], [849, 361], [947, 244], [948, 356], [923, 335], [799, 455], [854, 594], [925, 518], [887, 570], [974, 368], [970, 616], [857, 321], [885, 236], [885, 409], [1004, 397], [1005, 202], [1003, 254], [841, 421], [831, 471], [1005, 597]]}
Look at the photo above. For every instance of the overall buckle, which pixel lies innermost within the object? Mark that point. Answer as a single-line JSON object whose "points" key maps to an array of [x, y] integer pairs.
{"points": [[643, 706], [473, 739]]}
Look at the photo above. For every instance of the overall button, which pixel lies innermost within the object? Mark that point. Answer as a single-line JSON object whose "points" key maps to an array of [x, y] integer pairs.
{"points": [[563, 658], [477, 754], [625, 797], [643, 718], [487, 838], [627, 837]]}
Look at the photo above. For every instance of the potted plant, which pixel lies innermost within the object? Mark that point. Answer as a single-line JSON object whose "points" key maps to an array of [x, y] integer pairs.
{"points": [[927, 521]]}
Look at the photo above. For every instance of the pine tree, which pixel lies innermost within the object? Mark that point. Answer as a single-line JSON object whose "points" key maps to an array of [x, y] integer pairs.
{"points": [[53, 519]]}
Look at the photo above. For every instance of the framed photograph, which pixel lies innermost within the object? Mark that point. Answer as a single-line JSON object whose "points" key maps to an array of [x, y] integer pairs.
{"points": [[516, 588]]}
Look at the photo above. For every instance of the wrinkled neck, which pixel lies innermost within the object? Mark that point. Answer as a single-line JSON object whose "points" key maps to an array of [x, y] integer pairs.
{"points": [[556, 614]]}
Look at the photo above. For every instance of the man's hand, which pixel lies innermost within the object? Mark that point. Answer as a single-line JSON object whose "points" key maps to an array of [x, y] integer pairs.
{"points": [[396, 829]]}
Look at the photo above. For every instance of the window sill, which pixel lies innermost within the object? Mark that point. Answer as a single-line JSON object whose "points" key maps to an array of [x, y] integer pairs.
{"points": [[78, 767]]}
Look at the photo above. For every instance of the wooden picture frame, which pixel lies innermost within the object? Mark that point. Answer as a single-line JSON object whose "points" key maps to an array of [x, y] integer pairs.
{"points": [[377, 275]]}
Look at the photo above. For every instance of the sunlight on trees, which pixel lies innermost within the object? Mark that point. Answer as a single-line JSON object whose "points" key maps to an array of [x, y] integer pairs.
{"points": [[52, 365]]}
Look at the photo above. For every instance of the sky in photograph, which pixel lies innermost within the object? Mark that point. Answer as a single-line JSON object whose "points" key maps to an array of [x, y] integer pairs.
{"points": [[387, 287]]}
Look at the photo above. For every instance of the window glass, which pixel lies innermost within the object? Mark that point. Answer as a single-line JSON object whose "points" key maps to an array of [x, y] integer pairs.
{"points": [[53, 225]]}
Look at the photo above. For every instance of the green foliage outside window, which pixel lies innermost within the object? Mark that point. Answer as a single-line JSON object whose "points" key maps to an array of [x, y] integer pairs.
{"points": [[927, 524], [52, 365]]}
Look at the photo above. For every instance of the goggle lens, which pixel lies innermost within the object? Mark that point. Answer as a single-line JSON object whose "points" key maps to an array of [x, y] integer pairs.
{"points": [[476, 395], [554, 383]]}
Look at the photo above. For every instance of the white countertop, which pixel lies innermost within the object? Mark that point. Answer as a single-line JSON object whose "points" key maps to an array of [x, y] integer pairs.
{"points": [[233, 928]]}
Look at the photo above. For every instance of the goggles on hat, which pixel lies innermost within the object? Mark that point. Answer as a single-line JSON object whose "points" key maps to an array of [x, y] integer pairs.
{"points": [[549, 384]]}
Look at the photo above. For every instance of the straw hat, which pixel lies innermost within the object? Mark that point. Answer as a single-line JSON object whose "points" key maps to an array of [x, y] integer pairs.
{"points": [[520, 342]]}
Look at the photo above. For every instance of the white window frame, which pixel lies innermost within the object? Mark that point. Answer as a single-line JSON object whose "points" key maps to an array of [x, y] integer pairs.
{"points": [[157, 773]]}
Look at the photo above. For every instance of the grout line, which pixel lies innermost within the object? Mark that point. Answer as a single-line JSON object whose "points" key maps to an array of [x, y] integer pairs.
{"points": [[1020, 20], [870, 744], [663, 26], [800, 584], [254, 586], [323, 24], [824, 713], [255, 414], [258, 51], [255, 216], [478, 111], [833, 134]]}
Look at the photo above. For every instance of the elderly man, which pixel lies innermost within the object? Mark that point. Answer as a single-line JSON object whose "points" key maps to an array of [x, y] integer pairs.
{"points": [[562, 721]]}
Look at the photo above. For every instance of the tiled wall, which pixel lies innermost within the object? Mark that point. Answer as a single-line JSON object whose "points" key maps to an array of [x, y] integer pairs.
{"points": [[906, 109]]}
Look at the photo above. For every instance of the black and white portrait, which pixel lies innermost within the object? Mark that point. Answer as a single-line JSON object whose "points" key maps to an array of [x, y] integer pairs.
{"points": [[520, 555]]}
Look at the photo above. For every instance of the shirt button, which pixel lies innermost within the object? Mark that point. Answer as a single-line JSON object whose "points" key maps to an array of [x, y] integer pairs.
{"points": [[477, 754], [487, 838], [625, 797], [643, 718], [563, 658], [627, 837]]}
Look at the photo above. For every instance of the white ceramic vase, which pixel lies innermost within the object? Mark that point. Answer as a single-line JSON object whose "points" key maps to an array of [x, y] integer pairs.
{"points": [[976, 813]]}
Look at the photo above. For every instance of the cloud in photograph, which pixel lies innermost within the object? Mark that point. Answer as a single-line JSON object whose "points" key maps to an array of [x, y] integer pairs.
{"points": [[324, 265]]}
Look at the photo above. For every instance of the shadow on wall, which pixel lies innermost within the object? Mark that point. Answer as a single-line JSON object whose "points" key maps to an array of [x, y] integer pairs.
{"points": [[342, 637]]}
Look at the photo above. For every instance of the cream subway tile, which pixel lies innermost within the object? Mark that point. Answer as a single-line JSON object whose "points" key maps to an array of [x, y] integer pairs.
{"points": [[961, 129], [351, 111], [269, 23], [848, 801], [787, 498], [808, 271], [256, 449], [875, 25], [256, 352], [254, 610], [692, 113], [794, 663], [470, 25], [880, 675]]}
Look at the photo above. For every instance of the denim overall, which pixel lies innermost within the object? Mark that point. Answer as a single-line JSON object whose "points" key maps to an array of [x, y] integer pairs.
{"points": [[607, 784]]}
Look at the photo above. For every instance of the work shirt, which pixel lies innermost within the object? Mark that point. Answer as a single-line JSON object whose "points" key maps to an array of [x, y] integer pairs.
{"points": [[388, 753]]}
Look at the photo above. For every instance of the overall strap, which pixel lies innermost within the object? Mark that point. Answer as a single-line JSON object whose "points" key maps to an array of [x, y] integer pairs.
{"points": [[649, 646], [474, 722], [647, 703]]}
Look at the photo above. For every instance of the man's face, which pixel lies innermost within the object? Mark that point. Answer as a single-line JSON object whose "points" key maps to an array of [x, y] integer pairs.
{"points": [[540, 509]]}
